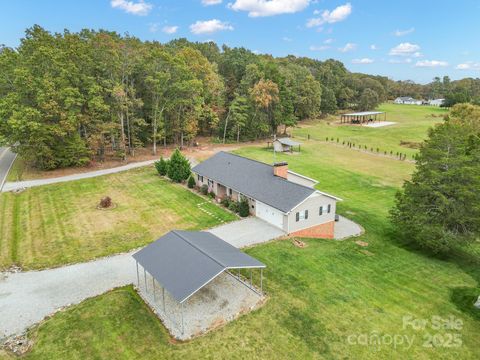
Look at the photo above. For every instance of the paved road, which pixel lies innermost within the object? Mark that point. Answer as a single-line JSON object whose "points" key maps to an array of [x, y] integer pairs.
{"points": [[27, 297], [6, 161]]}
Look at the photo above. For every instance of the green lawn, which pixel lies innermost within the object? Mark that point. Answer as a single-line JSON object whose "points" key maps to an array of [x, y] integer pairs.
{"points": [[320, 296], [412, 122], [57, 224]]}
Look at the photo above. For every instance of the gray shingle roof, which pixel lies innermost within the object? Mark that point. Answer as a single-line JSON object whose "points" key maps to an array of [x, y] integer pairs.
{"points": [[288, 141], [185, 261], [253, 179]]}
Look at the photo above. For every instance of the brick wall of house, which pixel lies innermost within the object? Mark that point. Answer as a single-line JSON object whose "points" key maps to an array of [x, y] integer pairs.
{"points": [[325, 231]]}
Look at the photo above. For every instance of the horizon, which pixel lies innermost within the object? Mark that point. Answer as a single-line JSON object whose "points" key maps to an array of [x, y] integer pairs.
{"points": [[394, 42]]}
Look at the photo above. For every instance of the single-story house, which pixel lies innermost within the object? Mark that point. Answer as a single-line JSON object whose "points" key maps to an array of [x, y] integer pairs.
{"points": [[285, 145], [407, 100], [436, 102], [275, 194]]}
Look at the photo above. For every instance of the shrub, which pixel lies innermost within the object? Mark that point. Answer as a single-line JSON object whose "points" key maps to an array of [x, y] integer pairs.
{"points": [[204, 189], [233, 206], [162, 166], [191, 182], [243, 207], [105, 202], [179, 167], [211, 194], [226, 202]]}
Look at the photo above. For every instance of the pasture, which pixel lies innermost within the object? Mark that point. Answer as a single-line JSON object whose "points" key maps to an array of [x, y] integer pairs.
{"points": [[412, 123]]}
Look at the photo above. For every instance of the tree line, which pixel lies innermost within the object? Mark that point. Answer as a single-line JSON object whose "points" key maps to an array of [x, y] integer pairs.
{"points": [[67, 98]]}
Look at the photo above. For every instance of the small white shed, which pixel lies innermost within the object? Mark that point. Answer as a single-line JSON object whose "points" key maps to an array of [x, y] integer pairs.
{"points": [[285, 145]]}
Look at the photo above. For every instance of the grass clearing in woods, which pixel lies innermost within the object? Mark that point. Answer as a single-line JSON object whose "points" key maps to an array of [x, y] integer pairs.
{"points": [[57, 224], [412, 123], [320, 295]]}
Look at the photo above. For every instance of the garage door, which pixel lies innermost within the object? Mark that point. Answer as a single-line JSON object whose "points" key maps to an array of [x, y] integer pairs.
{"points": [[269, 214]]}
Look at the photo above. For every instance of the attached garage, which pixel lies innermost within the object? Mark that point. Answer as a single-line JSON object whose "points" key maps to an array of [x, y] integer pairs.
{"points": [[269, 214]]}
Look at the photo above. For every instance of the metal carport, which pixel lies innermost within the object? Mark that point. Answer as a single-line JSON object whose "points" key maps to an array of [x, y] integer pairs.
{"points": [[183, 262]]}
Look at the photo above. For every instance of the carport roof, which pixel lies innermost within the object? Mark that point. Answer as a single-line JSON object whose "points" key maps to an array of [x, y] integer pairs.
{"points": [[288, 141], [185, 261]]}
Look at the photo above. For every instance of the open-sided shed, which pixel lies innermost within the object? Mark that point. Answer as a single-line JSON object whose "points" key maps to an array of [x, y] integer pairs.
{"points": [[184, 262], [362, 117]]}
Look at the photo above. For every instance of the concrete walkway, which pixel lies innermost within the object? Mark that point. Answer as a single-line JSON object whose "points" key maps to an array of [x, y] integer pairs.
{"points": [[27, 297], [345, 228], [247, 232], [9, 186]]}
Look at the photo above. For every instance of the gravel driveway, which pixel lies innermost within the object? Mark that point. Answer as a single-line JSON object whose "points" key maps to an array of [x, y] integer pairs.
{"points": [[27, 297], [9, 186]]}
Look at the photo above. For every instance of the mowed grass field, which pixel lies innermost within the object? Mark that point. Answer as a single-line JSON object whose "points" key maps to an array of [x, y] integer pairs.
{"points": [[324, 300], [57, 224], [412, 123]]}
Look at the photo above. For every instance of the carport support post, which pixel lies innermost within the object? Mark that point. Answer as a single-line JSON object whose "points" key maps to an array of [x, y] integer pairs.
{"points": [[153, 285], [261, 280], [251, 279], [183, 327], [163, 297], [145, 274], [138, 277]]}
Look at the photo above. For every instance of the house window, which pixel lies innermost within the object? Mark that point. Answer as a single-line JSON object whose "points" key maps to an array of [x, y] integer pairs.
{"points": [[210, 182], [230, 192], [301, 215], [320, 210], [329, 208]]}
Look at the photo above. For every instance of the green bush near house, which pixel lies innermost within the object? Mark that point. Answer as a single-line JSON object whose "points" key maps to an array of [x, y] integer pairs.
{"points": [[233, 206], [162, 166], [226, 201], [191, 182], [243, 207], [178, 169]]}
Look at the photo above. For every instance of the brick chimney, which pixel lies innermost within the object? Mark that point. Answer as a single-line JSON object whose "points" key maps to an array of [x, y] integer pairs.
{"points": [[280, 169]]}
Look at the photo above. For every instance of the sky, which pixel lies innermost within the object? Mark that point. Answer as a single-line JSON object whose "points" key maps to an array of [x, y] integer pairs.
{"points": [[404, 40]]}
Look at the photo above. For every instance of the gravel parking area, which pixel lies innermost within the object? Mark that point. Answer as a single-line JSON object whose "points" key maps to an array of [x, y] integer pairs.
{"points": [[221, 301], [380, 124]]}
